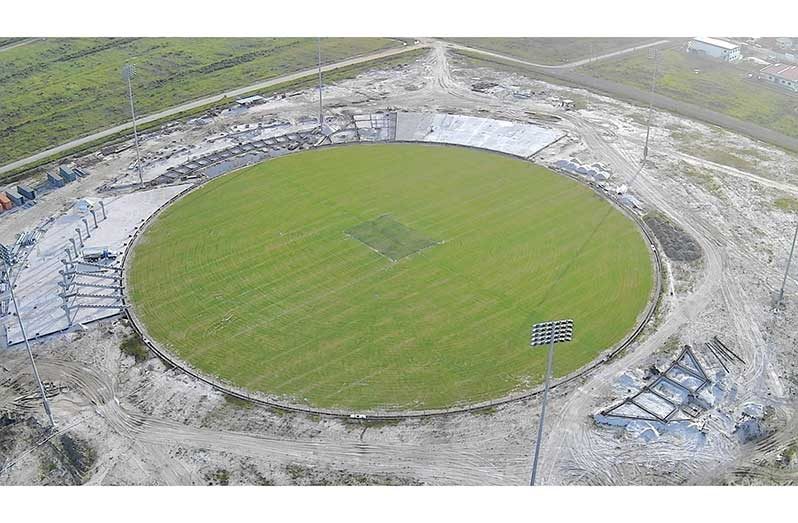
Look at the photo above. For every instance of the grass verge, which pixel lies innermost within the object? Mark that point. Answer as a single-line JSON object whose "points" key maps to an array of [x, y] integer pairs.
{"points": [[343, 73], [722, 87], [787, 204], [133, 346], [57, 89]]}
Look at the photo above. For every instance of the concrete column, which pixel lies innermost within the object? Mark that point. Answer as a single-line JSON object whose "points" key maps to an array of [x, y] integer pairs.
{"points": [[74, 246], [102, 206], [68, 266], [69, 254], [94, 215], [66, 310], [86, 223], [80, 236]]}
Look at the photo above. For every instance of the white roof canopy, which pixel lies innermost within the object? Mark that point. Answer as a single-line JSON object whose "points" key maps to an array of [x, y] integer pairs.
{"points": [[716, 42]]}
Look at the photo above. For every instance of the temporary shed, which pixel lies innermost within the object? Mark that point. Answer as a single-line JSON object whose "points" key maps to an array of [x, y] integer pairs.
{"points": [[54, 181], [66, 174], [27, 191], [15, 198], [5, 203], [251, 100]]}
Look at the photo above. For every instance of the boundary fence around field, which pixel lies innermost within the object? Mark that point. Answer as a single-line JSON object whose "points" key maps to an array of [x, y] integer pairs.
{"points": [[273, 402]]}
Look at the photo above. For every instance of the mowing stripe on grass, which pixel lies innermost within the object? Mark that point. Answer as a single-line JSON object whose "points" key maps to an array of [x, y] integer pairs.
{"points": [[255, 277]]}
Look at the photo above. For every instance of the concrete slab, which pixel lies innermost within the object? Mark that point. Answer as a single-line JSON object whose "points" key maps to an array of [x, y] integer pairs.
{"points": [[671, 391], [685, 379], [654, 404], [37, 283], [517, 139]]}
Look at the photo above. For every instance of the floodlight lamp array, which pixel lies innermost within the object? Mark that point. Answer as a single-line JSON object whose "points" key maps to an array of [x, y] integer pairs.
{"points": [[545, 333]]}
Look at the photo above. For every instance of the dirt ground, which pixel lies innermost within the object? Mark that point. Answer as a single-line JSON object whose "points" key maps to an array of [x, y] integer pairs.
{"points": [[124, 422]]}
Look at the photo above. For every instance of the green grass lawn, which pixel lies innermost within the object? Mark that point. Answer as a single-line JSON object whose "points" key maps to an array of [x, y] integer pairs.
{"points": [[718, 86], [787, 204], [56, 90], [265, 279], [551, 51]]}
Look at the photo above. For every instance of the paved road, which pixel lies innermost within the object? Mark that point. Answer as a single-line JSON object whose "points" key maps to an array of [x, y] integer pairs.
{"points": [[205, 101], [19, 44], [571, 77]]}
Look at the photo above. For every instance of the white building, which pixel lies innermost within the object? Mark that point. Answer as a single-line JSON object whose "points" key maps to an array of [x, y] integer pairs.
{"points": [[785, 76], [714, 48], [251, 100]]}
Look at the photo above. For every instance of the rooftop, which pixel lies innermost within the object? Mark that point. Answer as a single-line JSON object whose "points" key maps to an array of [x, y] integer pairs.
{"points": [[250, 99], [788, 72], [716, 42]]}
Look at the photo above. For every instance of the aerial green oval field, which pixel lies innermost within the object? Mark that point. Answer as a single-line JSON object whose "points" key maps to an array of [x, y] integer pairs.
{"points": [[387, 277]]}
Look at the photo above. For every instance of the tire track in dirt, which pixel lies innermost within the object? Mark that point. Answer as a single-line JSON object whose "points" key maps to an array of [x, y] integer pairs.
{"points": [[573, 437], [151, 437]]}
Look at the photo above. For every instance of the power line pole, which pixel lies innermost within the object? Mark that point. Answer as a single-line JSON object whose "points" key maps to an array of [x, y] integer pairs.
{"points": [[128, 72], [547, 333], [30, 355], [787, 270], [650, 105], [7, 257]]}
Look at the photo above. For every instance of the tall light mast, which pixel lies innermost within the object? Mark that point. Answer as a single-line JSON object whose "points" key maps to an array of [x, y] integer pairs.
{"points": [[128, 72], [321, 105], [787, 269]]}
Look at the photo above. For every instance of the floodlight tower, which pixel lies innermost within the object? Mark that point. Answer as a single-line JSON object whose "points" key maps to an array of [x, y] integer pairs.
{"points": [[651, 103], [547, 333], [321, 105], [8, 259], [128, 72], [787, 270]]}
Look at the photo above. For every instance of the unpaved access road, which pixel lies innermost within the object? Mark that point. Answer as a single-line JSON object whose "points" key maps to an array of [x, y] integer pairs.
{"points": [[574, 449], [640, 96], [569, 65], [152, 425], [18, 44]]}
